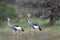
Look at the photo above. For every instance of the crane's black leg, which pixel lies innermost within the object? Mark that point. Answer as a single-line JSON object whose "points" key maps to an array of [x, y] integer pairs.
{"points": [[15, 30], [29, 29], [15, 33], [34, 31]]}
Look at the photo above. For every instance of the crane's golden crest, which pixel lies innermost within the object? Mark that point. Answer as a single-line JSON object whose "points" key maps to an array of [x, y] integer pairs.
{"points": [[8, 19], [28, 15]]}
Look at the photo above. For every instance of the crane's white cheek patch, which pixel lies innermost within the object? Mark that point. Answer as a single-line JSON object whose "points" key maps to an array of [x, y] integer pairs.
{"points": [[18, 28], [36, 27]]}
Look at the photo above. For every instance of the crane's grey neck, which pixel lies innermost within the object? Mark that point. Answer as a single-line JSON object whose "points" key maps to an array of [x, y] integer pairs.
{"points": [[9, 23], [28, 18]]}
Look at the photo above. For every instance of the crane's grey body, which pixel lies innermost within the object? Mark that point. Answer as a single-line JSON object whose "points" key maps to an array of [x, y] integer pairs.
{"points": [[32, 24], [11, 25], [15, 27]]}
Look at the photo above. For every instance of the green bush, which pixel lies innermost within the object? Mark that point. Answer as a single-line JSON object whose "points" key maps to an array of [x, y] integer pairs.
{"points": [[6, 11]]}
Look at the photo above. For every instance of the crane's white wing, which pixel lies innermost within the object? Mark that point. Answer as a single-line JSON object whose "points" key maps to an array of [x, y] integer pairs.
{"points": [[36, 27], [18, 28]]}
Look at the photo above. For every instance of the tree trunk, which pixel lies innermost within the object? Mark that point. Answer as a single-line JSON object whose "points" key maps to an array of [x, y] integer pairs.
{"points": [[51, 19]]}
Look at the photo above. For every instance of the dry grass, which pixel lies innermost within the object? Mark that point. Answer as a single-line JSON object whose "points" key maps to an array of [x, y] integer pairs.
{"points": [[43, 35]]}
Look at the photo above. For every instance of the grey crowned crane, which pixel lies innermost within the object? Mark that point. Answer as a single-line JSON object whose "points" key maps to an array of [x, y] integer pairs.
{"points": [[15, 27], [32, 24]]}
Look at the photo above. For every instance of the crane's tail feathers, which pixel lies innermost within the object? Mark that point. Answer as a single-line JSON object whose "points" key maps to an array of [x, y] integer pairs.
{"points": [[22, 30], [40, 28]]}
